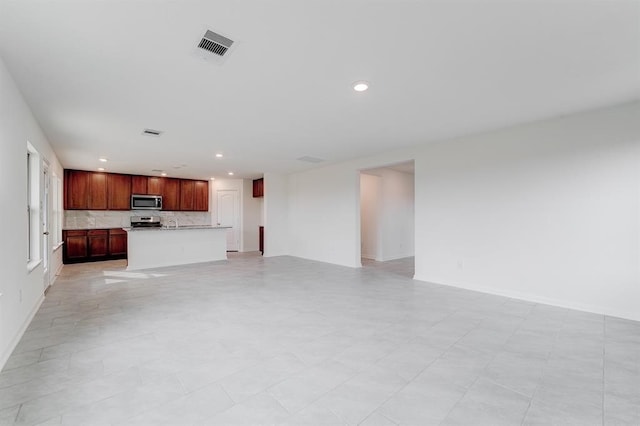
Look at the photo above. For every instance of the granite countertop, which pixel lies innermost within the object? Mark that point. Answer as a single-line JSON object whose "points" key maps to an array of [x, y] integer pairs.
{"points": [[173, 228]]}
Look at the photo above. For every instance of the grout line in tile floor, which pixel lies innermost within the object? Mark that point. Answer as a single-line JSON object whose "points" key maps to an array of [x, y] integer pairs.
{"points": [[255, 310]]}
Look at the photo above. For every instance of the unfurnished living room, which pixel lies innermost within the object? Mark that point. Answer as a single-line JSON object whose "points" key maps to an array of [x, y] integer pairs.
{"points": [[350, 212]]}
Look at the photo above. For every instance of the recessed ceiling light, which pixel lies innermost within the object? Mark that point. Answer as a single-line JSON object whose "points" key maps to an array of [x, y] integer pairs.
{"points": [[360, 86], [213, 178], [230, 173], [219, 155], [101, 169], [104, 160], [163, 174]]}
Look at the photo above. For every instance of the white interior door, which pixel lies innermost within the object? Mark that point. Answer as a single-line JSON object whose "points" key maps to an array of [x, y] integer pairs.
{"points": [[229, 215], [46, 242]]}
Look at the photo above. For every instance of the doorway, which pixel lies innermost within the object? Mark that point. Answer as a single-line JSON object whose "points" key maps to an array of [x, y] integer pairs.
{"points": [[387, 204], [229, 215]]}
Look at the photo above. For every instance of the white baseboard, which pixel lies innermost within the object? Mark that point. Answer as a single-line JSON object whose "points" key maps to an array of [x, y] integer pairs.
{"points": [[20, 333], [634, 316], [368, 256], [56, 274], [395, 257]]}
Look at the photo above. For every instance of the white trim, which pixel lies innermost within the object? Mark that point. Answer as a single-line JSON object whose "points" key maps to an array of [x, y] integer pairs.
{"points": [[396, 257], [56, 274], [33, 265], [57, 246], [18, 336], [634, 316]]}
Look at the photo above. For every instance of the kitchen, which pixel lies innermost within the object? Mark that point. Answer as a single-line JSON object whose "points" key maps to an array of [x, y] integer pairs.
{"points": [[158, 221]]}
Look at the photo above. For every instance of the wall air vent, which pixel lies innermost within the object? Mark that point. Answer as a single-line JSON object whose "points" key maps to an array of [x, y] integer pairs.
{"points": [[215, 43], [308, 159], [151, 132]]}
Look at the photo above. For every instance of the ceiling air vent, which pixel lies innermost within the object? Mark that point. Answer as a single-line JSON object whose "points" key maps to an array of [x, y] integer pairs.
{"points": [[215, 43], [151, 132], [311, 159]]}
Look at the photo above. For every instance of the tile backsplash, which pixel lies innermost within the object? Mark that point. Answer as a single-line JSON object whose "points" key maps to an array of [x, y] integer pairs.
{"points": [[101, 219]]}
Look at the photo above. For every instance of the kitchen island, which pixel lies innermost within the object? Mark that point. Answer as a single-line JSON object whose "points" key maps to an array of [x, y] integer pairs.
{"points": [[158, 247]]}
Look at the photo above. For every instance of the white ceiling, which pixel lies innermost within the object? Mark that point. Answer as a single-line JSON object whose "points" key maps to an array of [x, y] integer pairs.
{"points": [[96, 73], [405, 167]]}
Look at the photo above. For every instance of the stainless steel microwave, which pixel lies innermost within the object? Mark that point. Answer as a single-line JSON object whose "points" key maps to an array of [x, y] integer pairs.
{"points": [[146, 202]]}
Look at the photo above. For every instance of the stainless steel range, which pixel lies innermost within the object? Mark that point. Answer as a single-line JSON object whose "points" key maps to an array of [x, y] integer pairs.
{"points": [[145, 222]]}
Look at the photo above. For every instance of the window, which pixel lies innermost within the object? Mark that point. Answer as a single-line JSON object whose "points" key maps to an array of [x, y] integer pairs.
{"points": [[33, 206]]}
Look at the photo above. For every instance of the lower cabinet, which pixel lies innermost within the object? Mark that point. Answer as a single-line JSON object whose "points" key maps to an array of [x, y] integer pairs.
{"points": [[118, 242], [83, 245], [75, 247], [98, 241]]}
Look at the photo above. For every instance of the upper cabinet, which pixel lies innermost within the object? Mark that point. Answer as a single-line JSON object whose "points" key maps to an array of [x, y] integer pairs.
{"points": [[155, 185], [258, 188], [147, 185], [187, 189], [119, 191], [76, 187], [194, 195], [111, 191], [171, 194], [98, 191], [85, 190], [201, 196], [139, 185]]}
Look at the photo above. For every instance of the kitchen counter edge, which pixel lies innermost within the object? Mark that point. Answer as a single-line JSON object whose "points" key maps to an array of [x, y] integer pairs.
{"points": [[172, 228]]}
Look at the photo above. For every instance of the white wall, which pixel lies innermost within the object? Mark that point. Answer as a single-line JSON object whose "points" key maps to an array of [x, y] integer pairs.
{"points": [[251, 217], [22, 292], [396, 215], [546, 211], [324, 218], [370, 187], [276, 217]]}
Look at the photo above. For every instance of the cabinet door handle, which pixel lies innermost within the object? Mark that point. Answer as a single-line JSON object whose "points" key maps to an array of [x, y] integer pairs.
{"points": [[45, 233]]}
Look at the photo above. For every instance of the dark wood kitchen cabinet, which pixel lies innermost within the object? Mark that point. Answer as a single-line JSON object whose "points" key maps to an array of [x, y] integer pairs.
{"points": [[75, 246], [194, 195], [98, 243], [155, 185], [117, 242], [112, 191], [201, 196], [147, 185], [76, 186], [119, 191], [139, 184], [187, 191], [258, 188], [98, 191], [171, 194], [90, 245]]}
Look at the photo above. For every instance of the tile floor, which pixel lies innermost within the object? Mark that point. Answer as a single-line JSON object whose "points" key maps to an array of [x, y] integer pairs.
{"points": [[285, 341]]}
